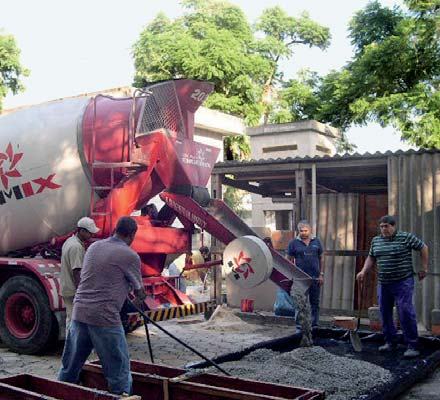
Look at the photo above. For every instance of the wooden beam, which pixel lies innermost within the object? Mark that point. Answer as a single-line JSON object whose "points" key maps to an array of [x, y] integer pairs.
{"points": [[264, 165], [301, 195], [216, 287], [314, 212], [244, 186]]}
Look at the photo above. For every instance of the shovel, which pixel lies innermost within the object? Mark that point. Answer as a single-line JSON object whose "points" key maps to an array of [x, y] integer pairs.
{"points": [[354, 336]]}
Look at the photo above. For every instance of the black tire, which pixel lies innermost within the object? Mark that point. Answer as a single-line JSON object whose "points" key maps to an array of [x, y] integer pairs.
{"points": [[26, 320]]}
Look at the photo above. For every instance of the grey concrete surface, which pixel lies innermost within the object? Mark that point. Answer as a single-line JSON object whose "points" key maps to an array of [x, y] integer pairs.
{"points": [[225, 334]]}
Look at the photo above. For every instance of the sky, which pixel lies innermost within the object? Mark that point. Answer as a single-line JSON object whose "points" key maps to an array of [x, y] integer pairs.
{"points": [[81, 46]]}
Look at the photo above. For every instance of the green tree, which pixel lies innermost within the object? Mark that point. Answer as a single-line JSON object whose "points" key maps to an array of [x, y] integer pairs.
{"points": [[280, 33], [214, 41], [234, 198], [11, 70], [394, 76]]}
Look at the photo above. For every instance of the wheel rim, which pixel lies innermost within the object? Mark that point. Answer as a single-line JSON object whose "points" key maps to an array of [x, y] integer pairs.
{"points": [[21, 315]]}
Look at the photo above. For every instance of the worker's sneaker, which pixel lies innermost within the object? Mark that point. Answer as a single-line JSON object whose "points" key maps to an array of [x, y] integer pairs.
{"points": [[387, 347], [411, 353]]}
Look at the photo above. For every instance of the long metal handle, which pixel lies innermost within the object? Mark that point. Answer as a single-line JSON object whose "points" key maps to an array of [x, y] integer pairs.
{"points": [[359, 301], [145, 316]]}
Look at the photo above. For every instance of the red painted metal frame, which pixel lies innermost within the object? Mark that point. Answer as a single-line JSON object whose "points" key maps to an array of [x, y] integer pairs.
{"points": [[189, 267], [166, 159], [156, 382], [46, 271], [29, 387], [197, 215], [173, 156], [193, 212], [160, 291], [20, 315]]}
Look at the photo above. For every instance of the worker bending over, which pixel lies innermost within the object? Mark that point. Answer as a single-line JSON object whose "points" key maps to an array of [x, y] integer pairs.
{"points": [[110, 270]]}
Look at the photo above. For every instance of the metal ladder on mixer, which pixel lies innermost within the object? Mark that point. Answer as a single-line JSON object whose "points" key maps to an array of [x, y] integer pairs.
{"points": [[110, 166]]}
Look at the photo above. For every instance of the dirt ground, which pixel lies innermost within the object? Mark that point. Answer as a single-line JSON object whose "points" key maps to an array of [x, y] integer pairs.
{"points": [[224, 334]]}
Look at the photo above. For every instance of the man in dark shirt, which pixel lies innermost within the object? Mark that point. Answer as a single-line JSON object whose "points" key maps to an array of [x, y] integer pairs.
{"points": [[392, 250], [110, 270], [306, 252]]}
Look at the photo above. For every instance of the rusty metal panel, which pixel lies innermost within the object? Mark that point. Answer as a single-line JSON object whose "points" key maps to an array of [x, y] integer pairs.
{"points": [[414, 198], [31, 387], [371, 208], [159, 382], [337, 220]]}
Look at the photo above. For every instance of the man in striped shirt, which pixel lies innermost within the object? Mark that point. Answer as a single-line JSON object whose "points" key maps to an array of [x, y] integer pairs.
{"points": [[392, 250]]}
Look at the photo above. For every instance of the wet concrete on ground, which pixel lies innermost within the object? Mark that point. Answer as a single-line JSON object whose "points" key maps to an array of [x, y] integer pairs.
{"points": [[226, 334]]}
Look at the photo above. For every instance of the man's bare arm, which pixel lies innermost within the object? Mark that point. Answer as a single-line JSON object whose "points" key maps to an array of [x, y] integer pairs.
{"points": [[368, 264], [424, 257], [76, 276]]}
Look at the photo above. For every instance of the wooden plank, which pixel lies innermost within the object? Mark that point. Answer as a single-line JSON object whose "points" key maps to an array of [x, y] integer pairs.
{"points": [[8, 392], [244, 186], [201, 387], [225, 393], [249, 385], [300, 195], [216, 272], [346, 253], [33, 387]]}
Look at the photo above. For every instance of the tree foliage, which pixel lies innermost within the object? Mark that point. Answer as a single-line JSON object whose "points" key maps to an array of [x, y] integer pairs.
{"points": [[214, 41], [11, 70], [399, 70], [394, 76], [237, 147], [234, 198]]}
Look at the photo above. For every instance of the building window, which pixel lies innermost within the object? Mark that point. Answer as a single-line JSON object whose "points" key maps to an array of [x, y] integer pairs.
{"points": [[323, 149], [283, 220], [275, 149], [269, 220], [279, 220]]}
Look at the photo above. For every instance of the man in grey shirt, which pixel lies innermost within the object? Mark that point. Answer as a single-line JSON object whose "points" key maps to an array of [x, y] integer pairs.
{"points": [[110, 270]]}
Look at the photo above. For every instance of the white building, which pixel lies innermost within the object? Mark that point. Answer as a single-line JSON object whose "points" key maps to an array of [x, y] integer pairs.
{"points": [[296, 139]]}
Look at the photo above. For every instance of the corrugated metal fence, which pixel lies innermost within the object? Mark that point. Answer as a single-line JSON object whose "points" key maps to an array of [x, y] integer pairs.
{"points": [[414, 198], [337, 216]]}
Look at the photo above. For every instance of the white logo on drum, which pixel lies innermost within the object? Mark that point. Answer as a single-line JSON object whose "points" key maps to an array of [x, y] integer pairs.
{"points": [[8, 170]]}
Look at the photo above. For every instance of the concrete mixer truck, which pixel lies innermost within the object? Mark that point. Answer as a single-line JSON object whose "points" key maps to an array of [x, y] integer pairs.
{"points": [[105, 157]]}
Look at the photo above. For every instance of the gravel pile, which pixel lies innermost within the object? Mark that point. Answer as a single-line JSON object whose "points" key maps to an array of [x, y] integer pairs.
{"points": [[310, 367], [225, 320]]}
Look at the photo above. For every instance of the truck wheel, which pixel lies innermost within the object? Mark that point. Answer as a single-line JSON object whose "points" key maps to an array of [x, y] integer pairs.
{"points": [[26, 320]]}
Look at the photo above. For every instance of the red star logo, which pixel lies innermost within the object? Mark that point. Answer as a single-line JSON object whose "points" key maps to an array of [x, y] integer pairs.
{"points": [[8, 161], [242, 265]]}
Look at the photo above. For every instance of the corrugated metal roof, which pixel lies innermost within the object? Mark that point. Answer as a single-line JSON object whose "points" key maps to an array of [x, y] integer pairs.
{"points": [[319, 158]]}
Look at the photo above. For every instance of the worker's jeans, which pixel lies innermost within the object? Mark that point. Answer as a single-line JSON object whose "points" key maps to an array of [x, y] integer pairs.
{"points": [[112, 350], [401, 293], [314, 294]]}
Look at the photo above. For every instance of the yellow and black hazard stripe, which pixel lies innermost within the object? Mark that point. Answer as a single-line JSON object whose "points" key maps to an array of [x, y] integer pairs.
{"points": [[177, 312]]}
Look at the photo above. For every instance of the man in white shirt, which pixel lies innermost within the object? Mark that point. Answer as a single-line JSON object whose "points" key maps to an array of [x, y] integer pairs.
{"points": [[72, 255]]}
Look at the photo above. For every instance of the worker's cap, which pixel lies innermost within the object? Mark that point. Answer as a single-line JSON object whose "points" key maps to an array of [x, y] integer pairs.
{"points": [[88, 224]]}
